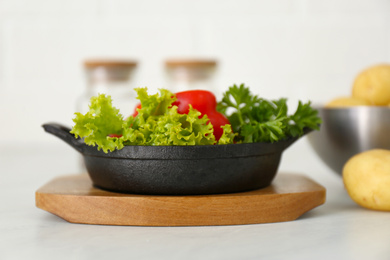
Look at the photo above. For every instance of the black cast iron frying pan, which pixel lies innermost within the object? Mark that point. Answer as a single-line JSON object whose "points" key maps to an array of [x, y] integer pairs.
{"points": [[179, 170]]}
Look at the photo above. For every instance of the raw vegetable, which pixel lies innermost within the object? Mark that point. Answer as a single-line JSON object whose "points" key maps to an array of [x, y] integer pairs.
{"points": [[366, 177], [187, 118], [206, 103], [259, 120], [373, 85], [157, 123], [135, 113], [203, 101]]}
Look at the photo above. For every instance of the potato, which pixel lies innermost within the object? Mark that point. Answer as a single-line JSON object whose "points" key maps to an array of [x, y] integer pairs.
{"points": [[373, 85], [366, 177], [346, 102]]}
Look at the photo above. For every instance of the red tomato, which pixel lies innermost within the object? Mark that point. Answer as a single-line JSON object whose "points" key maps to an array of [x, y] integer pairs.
{"points": [[205, 102], [135, 110], [217, 120], [114, 135], [201, 100]]}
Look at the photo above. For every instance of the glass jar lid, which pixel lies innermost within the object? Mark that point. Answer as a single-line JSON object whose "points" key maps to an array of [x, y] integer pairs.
{"points": [[109, 69]]}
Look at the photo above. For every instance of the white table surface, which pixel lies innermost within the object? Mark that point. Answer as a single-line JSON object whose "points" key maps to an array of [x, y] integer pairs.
{"points": [[339, 229]]}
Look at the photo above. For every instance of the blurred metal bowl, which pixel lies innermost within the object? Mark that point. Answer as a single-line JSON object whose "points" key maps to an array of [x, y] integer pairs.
{"points": [[348, 131]]}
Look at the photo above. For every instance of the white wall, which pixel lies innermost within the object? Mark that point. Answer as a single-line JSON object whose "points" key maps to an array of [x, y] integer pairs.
{"points": [[299, 49]]}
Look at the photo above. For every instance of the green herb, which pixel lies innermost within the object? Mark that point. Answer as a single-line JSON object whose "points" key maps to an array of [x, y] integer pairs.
{"points": [[157, 123], [259, 120]]}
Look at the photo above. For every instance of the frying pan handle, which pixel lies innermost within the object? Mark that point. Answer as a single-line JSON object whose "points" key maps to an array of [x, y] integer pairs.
{"points": [[289, 142], [63, 132]]}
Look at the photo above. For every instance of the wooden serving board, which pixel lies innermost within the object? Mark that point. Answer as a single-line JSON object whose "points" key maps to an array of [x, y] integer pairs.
{"points": [[74, 199]]}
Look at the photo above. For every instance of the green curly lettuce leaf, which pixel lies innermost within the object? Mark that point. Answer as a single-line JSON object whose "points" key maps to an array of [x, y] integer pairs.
{"points": [[157, 123], [227, 136], [101, 120], [170, 128]]}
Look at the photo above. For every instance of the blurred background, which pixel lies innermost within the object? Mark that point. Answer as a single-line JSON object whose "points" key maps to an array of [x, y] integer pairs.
{"points": [[298, 49]]}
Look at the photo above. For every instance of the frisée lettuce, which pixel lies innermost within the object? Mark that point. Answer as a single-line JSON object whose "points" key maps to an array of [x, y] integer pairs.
{"points": [[157, 123]]}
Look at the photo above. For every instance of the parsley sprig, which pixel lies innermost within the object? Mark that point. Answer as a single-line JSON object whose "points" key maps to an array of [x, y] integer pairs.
{"points": [[259, 120]]}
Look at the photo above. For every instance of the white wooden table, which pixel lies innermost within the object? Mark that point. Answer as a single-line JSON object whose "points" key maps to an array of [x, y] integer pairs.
{"points": [[339, 229]]}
